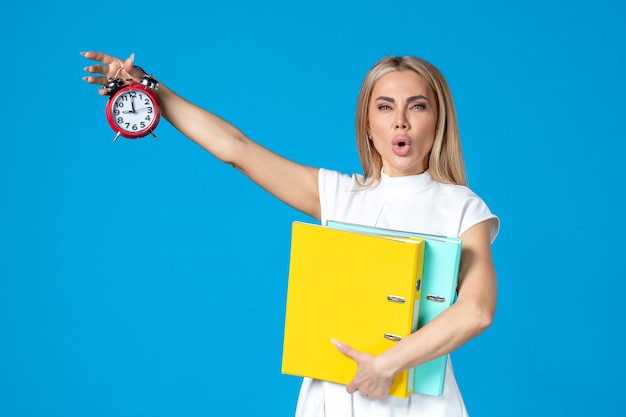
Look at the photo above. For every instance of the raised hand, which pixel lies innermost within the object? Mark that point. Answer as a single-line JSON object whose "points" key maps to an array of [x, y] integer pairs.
{"points": [[110, 67]]}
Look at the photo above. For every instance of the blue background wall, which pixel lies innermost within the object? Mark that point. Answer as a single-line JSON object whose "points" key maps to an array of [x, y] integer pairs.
{"points": [[145, 278]]}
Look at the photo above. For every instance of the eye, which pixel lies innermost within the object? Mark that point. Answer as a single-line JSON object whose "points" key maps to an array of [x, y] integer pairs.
{"points": [[383, 107], [419, 106]]}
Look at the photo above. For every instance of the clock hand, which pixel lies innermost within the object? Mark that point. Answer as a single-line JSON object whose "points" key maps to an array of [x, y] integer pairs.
{"points": [[132, 105]]}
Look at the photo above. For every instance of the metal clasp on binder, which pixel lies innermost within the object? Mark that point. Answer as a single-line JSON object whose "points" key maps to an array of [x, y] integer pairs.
{"points": [[396, 299], [436, 298], [401, 300], [393, 337]]}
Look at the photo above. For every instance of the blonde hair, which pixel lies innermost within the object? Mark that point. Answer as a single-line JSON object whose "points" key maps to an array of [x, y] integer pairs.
{"points": [[445, 162]]}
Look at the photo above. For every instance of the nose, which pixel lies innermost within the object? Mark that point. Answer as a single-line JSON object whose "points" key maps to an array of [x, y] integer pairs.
{"points": [[401, 122]]}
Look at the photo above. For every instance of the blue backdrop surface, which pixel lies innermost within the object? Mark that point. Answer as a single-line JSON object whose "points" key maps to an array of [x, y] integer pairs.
{"points": [[146, 278]]}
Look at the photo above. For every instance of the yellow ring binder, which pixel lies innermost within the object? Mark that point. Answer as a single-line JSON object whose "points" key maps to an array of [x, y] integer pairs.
{"points": [[352, 287]]}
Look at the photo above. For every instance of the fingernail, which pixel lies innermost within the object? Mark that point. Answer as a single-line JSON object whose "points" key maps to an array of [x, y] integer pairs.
{"points": [[336, 343], [82, 53], [132, 57], [85, 78], [86, 69]]}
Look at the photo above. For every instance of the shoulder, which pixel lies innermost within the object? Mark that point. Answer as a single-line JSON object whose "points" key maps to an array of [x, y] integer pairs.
{"points": [[470, 206], [456, 194], [332, 176], [335, 180]]}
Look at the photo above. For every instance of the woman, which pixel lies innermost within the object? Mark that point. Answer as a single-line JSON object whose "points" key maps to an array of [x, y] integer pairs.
{"points": [[414, 180]]}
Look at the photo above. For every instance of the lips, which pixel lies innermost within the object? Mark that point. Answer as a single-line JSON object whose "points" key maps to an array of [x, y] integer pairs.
{"points": [[401, 145]]}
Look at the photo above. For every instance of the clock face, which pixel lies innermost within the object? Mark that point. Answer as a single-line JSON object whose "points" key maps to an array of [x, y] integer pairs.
{"points": [[133, 112]]}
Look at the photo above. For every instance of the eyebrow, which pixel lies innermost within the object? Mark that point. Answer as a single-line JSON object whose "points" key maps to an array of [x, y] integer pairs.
{"points": [[409, 100]]}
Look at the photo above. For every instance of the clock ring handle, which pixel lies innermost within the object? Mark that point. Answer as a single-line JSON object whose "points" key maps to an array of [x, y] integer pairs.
{"points": [[148, 80], [114, 82]]}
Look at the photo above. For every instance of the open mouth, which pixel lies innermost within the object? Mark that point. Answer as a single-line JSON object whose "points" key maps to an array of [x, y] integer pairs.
{"points": [[401, 145]]}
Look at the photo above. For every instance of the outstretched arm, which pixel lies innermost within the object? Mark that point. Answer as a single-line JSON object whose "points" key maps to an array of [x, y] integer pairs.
{"points": [[291, 182]]}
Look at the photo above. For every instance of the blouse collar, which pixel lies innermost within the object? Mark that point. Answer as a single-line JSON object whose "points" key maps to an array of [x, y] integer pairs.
{"points": [[415, 183]]}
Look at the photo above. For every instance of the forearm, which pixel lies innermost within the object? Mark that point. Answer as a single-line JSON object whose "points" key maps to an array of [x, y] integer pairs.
{"points": [[213, 133], [444, 334]]}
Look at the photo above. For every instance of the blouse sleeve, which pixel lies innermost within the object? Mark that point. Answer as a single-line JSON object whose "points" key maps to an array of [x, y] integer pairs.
{"points": [[476, 211], [333, 187]]}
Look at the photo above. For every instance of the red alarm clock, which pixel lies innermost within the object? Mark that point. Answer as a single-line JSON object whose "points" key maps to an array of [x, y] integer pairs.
{"points": [[133, 111]]}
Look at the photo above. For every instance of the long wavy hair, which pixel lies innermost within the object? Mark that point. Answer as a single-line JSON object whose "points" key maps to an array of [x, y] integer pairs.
{"points": [[445, 161]]}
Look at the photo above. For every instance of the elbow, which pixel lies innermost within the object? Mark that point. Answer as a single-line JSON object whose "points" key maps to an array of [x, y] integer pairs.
{"points": [[483, 319], [478, 318], [236, 145]]}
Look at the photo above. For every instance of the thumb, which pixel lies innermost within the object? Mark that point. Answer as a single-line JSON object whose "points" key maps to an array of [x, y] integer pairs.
{"points": [[131, 69], [345, 349], [128, 64]]}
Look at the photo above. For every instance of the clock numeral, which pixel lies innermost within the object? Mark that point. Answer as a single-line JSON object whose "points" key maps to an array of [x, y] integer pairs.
{"points": [[146, 101], [116, 112], [148, 118], [119, 103], [149, 109], [120, 120], [142, 124]]}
